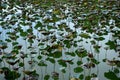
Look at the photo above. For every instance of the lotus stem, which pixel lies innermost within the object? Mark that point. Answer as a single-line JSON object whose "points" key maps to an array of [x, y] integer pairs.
{"points": [[54, 66], [25, 45], [89, 72], [84, 73], [23, 68], [106, 55], [41, 74], [69, 67], [97, 65], [63, 78], [45, 70]]}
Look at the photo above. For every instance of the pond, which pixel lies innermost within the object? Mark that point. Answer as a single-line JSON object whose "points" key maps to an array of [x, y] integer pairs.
{"points": [[59, 40]]}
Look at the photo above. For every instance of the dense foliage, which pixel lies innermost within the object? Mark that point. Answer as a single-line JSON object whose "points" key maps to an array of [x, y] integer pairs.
{"points": [[37, 37]]}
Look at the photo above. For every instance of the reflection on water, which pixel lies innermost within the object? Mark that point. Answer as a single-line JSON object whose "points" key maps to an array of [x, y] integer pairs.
{"points": [[32, 60], [39, 44]]}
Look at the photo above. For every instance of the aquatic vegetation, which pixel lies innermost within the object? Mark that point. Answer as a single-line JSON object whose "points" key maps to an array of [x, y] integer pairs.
{"points": [[59, 39]]}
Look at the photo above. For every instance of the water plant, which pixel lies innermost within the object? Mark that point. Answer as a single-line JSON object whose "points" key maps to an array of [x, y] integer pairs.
{"points": [[47, 39]]}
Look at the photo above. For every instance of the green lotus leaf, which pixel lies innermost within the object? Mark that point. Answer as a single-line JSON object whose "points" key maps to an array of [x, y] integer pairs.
{"points": [[78, 69]]}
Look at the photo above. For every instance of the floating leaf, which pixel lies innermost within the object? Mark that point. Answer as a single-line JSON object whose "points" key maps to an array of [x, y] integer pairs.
{"points": [[111, 44], [78, 69], [8, 40], [81, 53], [70, 53], [67, 43], [116, 70], [63, 70], [95, 61], [10, 75], [39, 24], [93, 42], [81, 76], [21, 64], [42, 63], [33, 52], [46, 77], [39, 57], [97, 47], [23, 34], [56, 54], [111, 75], [88, 78], [79, 62], [61, 62], [29, 72], [52, 60], [85, 35], [100, 39]]}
